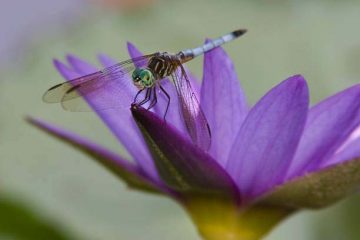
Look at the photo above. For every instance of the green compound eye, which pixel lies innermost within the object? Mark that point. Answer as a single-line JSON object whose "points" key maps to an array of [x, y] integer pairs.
{"points": [[146, 77], [143, 78], [136, 75]]}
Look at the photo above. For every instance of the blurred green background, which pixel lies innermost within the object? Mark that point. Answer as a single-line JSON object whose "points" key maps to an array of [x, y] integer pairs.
{"points": [[66, 195]]}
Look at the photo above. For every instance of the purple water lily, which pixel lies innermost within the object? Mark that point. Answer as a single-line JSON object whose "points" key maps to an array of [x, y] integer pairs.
{"points": [[265, 162]]}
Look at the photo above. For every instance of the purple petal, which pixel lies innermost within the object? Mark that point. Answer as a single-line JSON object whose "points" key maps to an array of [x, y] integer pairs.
{"points": [[181, 165], [128, 88], [172, 115], [350, 152], [328, 125], [268, 137], [222, 101], [133, 51], [65, 71], [118, 120], [79, 65], [127, 171], [105, 60]]}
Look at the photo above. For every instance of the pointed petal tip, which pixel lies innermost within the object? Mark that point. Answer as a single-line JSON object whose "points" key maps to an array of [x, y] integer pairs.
{"points": [[38, 123], [71, 57], [74, 60], [105, 60], [133, 50], [29, 119], [81, 66], [133, 109], [34, 121], [297, 79], [55, 61], [66, 71], [296, 82], [141, 114], [101, 56], [137, 111], [59, 65], [130, 46], [293, 83], [297, 76]]}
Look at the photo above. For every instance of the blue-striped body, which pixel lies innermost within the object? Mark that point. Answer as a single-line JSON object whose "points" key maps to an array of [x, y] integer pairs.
{"points": [[164, 64]]}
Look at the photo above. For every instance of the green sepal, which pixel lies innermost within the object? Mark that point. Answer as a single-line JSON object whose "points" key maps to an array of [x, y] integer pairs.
{"points": [[220, 219], [318, 189]]}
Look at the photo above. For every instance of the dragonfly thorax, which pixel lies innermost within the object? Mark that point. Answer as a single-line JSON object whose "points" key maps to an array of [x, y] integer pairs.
{"points": [[143, 78], [159, 66], [163, 65]]}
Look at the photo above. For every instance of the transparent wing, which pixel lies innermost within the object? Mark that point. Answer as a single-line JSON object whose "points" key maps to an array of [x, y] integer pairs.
{"points": [[108, 88], [192, 113]]}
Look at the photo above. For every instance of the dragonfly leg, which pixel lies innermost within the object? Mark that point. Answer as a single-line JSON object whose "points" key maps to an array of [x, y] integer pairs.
{"points": [[147, 97], [136, 96], [154, 101], [168, 97]]}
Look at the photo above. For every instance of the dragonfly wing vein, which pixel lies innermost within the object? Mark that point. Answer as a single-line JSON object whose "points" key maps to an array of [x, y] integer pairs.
{"points": [[95, 88], [193, 115]]}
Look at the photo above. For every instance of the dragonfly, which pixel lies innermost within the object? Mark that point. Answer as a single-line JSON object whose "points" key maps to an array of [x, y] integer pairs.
{"points": [[145, 74]]}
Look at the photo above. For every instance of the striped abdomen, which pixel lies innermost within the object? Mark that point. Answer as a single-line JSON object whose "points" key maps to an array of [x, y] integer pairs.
{"points": [[188, 54]]}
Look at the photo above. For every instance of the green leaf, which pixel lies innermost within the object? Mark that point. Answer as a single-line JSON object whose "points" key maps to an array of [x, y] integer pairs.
{"points": [[20, 223], [318, 189]]}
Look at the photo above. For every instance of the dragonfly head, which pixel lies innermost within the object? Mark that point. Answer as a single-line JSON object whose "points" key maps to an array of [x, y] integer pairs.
{"points": [[143, 78]]}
